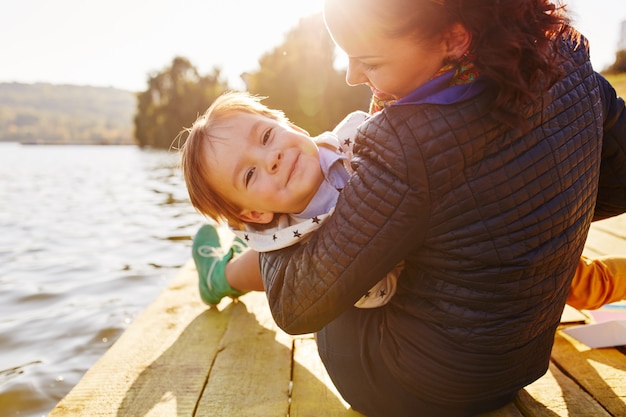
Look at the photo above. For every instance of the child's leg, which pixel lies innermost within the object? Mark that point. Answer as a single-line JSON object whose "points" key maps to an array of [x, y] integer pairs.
{"points": [[212, 262], [244, 272], [598, 282]]}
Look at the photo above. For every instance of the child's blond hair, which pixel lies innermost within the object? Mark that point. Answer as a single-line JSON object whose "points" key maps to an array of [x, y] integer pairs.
{"points": [[197, 171]]}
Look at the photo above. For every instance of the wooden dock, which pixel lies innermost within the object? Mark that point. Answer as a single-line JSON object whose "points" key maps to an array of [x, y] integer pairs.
{"points": [[179, 358]]}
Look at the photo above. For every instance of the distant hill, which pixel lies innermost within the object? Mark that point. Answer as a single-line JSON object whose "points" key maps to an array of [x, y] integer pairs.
{"points": [[66, 114]]}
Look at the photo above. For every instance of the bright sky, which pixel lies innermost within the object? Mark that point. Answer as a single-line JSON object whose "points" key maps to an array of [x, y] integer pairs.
{"points": [[119, 42]]}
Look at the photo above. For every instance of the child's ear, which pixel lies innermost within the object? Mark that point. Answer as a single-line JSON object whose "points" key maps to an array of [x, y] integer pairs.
{"points": [[458, 41], [251, 216], [299, 129]]}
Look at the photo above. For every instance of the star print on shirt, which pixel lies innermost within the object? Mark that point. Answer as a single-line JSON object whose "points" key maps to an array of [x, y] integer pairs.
{"points": [[274, 237], [246, 237], [347, 142], [316, 220], [297, 234]]}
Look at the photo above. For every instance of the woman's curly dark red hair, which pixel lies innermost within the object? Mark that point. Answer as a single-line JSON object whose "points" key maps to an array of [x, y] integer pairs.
{"points": [[514, 45]]}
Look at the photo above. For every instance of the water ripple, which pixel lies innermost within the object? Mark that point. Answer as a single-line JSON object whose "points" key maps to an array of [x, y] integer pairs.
{"points": [[88, 237]]}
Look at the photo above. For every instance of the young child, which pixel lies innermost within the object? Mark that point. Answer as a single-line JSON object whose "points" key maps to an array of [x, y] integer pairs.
{"points": [[270, 181], [265, 219]]}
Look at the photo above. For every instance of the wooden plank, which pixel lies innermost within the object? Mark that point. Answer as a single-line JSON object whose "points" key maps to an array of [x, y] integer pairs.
{"points": [[314, 394], [614, 225], [180, 358], [509, 410], [607, 237], [601, 372], [252, 371], [555, 394], [160, 363]]}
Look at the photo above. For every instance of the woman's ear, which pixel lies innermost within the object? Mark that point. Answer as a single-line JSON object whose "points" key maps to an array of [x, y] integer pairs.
{"points": [[251, 216], [458, 40]]}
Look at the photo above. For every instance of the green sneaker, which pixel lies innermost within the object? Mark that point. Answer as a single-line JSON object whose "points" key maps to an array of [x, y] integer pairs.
{"points": [[211, 259]]}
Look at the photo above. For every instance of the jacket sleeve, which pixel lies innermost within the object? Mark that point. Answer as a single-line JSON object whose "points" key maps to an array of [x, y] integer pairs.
{"points": [[379, 217], [612, 185]]}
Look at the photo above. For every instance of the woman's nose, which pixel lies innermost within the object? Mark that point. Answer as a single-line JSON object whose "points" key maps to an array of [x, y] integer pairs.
{"points": [[354, 74]]}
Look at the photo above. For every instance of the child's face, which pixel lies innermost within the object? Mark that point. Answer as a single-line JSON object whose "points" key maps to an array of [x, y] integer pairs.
{"points": [[391, 67], [263, 166]]}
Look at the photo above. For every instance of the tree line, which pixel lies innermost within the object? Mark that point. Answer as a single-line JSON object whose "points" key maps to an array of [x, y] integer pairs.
{"points": [[619, 66], [65, 114], [297, 77]]}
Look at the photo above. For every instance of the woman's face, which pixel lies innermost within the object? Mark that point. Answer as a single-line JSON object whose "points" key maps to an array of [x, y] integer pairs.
{"points": [[391, 67]]}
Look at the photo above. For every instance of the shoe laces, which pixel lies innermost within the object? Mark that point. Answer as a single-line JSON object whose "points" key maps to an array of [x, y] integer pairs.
{"points": [[207, 251]]}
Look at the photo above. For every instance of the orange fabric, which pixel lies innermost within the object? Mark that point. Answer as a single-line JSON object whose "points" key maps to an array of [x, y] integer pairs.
{"points": [[598, 282]]}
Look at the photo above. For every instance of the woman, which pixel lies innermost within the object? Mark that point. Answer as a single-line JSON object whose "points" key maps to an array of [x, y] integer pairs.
{"points": [[482, 173]]}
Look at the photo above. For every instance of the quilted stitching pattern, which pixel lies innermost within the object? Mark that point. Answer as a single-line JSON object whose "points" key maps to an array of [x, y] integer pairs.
{"points": [[491, 223], [612, 187]]}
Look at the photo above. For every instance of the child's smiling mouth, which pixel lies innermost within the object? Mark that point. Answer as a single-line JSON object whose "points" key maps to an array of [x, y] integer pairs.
{"points": [[292, 169]]}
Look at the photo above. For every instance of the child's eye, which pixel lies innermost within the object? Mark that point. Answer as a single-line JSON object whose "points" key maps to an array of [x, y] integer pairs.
{"points": [[266, 136], [248, 176]]}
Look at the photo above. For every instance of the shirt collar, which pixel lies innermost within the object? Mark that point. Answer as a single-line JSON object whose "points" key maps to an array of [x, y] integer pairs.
{"points": [[439, 91], [335, 178]]}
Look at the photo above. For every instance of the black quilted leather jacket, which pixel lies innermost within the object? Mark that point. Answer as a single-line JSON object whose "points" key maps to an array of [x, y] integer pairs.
{"points": [[490, 223]]}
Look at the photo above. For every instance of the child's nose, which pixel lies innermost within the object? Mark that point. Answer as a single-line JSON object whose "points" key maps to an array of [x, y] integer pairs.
{"points": [[274, 160]]}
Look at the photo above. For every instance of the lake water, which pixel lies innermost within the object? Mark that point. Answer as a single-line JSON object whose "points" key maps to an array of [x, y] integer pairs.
{"points": [[89, 236]]}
